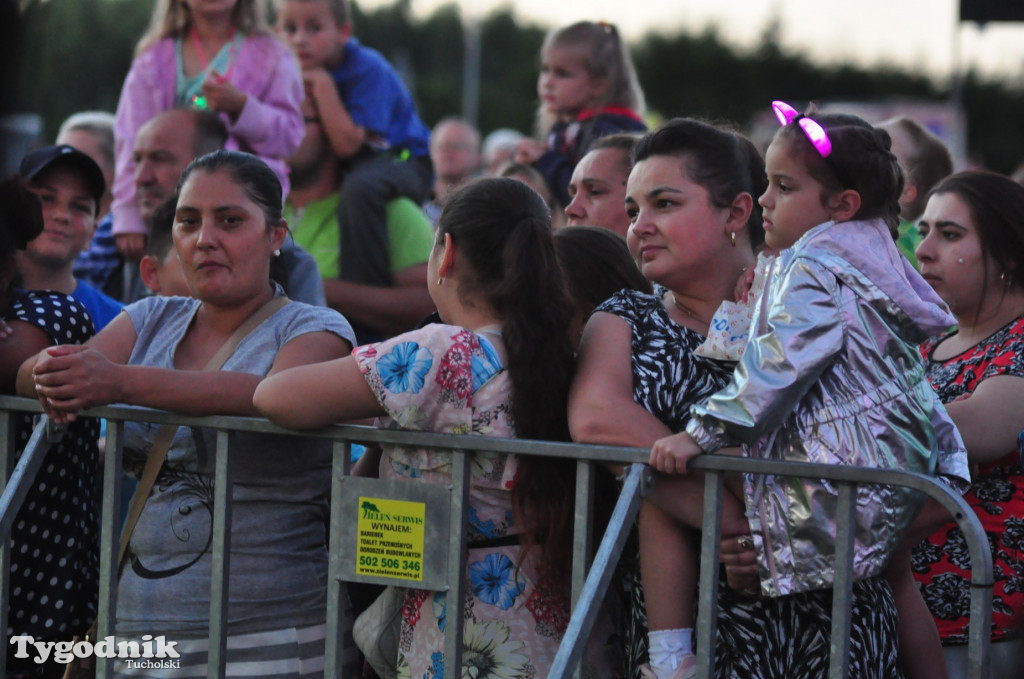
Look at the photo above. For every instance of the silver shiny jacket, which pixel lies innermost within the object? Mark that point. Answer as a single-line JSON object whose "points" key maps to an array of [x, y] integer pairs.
{"points": [[832, 374]]}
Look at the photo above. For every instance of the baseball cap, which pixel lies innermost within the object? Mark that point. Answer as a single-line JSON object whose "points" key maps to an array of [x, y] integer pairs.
{"points": [[47, 156]]}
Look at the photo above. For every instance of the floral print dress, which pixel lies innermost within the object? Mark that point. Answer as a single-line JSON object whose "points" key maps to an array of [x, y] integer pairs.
{"points": [[446, 379], [941, 564]]}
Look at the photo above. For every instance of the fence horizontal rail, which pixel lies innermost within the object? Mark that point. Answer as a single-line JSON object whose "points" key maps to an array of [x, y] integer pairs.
{"points": [[588, 587]]}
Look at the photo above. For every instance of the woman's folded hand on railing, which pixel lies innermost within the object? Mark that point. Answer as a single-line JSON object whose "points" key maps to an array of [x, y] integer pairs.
{"points": [[70, 377]]}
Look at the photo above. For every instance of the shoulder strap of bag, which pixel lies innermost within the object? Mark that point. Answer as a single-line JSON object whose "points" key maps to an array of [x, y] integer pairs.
{"points": [[165, 435]]}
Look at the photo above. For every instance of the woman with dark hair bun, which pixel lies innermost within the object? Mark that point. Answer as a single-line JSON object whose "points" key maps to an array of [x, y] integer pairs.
{"points": [[637, 373], [499, 364]]}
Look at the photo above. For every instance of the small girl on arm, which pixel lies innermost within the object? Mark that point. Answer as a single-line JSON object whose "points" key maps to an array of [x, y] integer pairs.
{"points": [[831, 374], [216, 56], [588, 88]]}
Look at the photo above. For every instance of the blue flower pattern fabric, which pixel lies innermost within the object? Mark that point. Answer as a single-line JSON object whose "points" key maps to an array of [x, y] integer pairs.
{"points": [[403, 369], [449, 380], [495, 582]]}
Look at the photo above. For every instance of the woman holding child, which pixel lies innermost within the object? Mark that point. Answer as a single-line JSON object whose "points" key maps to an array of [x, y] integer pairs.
{"points": [[164, 352], [830, 373], [637, 376]]}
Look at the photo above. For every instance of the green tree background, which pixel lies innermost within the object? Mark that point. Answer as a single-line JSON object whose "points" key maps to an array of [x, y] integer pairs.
{"points": [[72, 55]]}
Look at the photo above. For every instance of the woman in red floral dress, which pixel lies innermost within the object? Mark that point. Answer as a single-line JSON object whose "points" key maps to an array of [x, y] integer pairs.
{"points": [[972, 253]]}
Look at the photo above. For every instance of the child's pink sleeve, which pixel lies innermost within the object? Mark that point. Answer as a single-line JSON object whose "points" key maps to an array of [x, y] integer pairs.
{"points": [[271, 122], [148, 89]]}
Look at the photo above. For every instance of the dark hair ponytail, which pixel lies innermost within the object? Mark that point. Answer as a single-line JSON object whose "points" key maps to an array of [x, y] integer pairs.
{"points": [[503, 230]]}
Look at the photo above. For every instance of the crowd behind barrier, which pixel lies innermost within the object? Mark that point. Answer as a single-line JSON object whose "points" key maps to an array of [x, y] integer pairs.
{"points": [[591, 573]]}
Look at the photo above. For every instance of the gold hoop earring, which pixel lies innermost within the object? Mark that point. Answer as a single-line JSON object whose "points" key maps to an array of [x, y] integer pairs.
{"points": [[732, 238]]}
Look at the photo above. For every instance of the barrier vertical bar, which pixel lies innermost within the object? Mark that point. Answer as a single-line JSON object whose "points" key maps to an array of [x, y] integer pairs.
{"points": [[707, 608], [221, 558], [842, 585], [110, 532], [608, 552], [456, 563], [583, 514], [7, 443], [338, 634]]}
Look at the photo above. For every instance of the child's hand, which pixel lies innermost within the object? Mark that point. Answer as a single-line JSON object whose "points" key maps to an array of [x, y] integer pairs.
{"points": [[319, 85], [746, 279], [131, 245], [672, 453], [528, 151], [222, 96]]}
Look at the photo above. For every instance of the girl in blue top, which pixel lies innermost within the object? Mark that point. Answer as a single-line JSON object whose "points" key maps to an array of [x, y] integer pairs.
{"points": [[588, 88]]}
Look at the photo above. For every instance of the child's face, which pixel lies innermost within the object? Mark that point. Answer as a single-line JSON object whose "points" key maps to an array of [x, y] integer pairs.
{"points": [[165, 276], [793, 202], [564, 85], [309, 28], [69, 216]]}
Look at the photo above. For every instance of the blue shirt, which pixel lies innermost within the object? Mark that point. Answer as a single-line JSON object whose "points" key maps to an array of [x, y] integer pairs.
{"points": [[103, 309], [98, 263], [378, 100]]}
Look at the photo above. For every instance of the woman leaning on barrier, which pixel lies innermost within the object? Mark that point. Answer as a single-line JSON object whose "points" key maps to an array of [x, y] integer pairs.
{"points": [[499, 364], [637, 374], [972, 253], [54, 550], [161, 353]]}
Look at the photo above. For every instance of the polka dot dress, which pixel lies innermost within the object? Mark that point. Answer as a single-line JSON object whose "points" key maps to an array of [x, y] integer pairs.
{"points": [[55, 549]]}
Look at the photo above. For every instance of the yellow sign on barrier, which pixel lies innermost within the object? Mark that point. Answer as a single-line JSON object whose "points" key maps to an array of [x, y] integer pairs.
{"points": [[390, 538]]}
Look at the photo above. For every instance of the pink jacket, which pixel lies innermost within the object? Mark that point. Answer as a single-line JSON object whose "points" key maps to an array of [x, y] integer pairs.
{"points": [[270, 125]]}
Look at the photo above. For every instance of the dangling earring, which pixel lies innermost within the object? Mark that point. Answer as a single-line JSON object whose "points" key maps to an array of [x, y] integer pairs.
{"points": [[732, 238]]}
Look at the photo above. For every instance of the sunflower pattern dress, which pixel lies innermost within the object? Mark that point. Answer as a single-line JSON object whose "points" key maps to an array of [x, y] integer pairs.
{"points": [[446, 379]]}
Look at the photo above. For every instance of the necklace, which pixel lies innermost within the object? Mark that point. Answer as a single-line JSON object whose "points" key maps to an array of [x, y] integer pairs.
{"points": [[686, 310], [492, 329], [206, 62]]}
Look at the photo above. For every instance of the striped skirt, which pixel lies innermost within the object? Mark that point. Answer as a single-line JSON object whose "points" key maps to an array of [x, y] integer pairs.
{"points": [[291, 653]]}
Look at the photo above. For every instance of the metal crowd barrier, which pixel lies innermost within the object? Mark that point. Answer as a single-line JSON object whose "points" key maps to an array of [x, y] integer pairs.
{"points": [[441, 560]]}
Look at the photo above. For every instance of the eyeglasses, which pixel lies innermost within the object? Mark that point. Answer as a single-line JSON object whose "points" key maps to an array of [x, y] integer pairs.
{"points": [[814, 132]]}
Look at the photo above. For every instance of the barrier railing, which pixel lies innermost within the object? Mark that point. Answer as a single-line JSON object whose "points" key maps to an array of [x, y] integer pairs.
{"points": [[436, 556]]}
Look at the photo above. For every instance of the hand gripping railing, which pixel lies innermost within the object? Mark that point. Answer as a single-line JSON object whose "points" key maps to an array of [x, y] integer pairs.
{"points": [[846, 478], [588, 584]]}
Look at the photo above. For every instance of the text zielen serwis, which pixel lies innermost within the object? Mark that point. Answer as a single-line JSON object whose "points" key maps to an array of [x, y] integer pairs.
{"points": [[151, 652]]}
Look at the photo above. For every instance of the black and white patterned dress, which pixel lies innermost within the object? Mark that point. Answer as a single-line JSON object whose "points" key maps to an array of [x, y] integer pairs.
{"points": [[761, 638], [54, 542]]}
